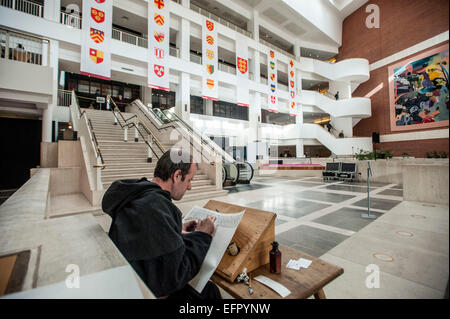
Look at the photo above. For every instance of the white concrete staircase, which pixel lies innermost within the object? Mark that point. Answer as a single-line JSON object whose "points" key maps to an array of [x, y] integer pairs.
{"points": [[128, 160]]}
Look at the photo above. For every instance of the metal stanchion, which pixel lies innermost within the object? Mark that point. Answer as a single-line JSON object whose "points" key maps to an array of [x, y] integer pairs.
{"points": [[369, 173]]}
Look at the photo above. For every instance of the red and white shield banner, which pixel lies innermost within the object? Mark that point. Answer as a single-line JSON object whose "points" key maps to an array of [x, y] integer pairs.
{"points": [[210, 25], [159, 70], [97, 15], [210, 61], [158, 40], [272, 80], [243, 87], [292, 89], [96, 34], [242, 65]]}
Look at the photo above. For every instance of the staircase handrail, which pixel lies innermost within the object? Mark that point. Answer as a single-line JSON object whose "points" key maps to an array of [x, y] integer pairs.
{"points": [[92, 137], [130, 124]]}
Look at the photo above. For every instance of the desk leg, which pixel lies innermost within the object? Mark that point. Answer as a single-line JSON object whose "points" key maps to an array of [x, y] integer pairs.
{"points": [[320, 294]]}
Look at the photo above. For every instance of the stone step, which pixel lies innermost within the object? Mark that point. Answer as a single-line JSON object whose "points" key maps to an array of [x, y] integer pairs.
{"points": [[189, 196], [196, 184]]}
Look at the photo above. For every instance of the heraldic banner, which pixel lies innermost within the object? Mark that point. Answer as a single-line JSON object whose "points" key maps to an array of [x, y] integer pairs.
{"points": [[158, 44], [272, 81], [242, 85], [210, 86], [96, 38], [292, 89]]}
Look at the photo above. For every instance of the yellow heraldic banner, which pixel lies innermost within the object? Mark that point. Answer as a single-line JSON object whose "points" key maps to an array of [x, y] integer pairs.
{"points": [[158, 44], [272, 81], [96, 38], [242, 85], [210, 85], [292, 88]]}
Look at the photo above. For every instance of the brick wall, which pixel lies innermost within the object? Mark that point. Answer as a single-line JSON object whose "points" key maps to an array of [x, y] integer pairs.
{"points": [[417, 148], [403, 23]]}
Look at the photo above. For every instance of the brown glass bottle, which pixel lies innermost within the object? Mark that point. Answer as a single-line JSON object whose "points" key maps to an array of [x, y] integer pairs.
{"points": [[275, 259]]}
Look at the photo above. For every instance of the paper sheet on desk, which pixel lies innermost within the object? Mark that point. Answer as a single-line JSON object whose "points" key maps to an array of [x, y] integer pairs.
{"points": [[225, 227]]}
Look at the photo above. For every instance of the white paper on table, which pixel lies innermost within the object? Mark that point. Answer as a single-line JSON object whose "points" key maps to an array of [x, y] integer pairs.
{"points": [[293, 264], [276, 286], [225, 227], [304, 263], [297, 264]]}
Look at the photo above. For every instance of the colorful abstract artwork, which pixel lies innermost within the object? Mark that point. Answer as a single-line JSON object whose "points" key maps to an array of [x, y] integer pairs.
{"points": [[419, 91]]}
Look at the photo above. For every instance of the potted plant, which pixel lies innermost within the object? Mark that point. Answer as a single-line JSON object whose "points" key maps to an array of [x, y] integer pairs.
{"points": [[444, 155], [404, 154]]}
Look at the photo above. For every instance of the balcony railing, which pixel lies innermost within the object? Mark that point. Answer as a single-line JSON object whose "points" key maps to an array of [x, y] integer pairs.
{"points": [[19, 46], [174, 52], [70, 19], [74, 21], [24, 6], [129, 38], [270, 45], [195, 58], [227, 68], [64, 97], [212, 16]]}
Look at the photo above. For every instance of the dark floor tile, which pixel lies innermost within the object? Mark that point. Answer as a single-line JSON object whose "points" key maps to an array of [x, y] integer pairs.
{"points": [[377, 203], [346, 218], [271, 180], [304, 184], [244, 187], [323, 196], [347, 188], [372, 184], [313, 241], [392, 192]]}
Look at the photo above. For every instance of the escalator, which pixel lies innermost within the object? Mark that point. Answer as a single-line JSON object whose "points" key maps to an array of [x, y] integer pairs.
{"points": [[233, 172]]}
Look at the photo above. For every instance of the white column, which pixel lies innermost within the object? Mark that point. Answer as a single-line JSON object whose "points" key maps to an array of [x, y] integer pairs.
{"points": [[52, 9], [209, 107], [257, 67], [183, 97], [47, 114], [147, 95], [253, 26], [183, 40], [342, 124], [300, 151], [297, 50], [186, 3]]}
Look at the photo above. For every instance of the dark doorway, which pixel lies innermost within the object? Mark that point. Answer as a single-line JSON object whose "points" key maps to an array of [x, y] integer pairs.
{"points": [[20, 141]]}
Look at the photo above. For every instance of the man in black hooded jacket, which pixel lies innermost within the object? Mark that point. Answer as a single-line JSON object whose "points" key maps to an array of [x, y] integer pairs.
{"points": [[147, 228]]}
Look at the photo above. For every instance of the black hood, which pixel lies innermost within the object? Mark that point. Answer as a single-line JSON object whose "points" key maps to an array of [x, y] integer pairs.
{"points": [[123, 191]]}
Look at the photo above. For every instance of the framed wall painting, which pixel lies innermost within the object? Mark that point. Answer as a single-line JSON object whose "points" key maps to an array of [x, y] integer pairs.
{"points": [[419, 91]]}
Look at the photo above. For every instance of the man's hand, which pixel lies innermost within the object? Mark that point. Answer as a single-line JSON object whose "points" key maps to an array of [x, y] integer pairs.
{"points": [[206, 225], [188, 227]]}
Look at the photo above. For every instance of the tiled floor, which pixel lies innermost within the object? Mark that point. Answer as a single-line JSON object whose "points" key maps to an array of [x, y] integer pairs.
{"points": [[324, 220]]}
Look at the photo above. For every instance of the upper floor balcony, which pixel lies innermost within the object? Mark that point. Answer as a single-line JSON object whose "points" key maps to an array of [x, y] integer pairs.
{"points": [[28, 80]]}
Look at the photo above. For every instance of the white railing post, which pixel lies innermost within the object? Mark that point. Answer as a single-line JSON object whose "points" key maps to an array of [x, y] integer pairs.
{"points": [[150, 153], [125, 134], [136, 136], [115, 117]]}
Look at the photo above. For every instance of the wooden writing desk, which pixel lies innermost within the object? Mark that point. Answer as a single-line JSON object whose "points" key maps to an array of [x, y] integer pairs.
{"points": [[302, 283]]}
